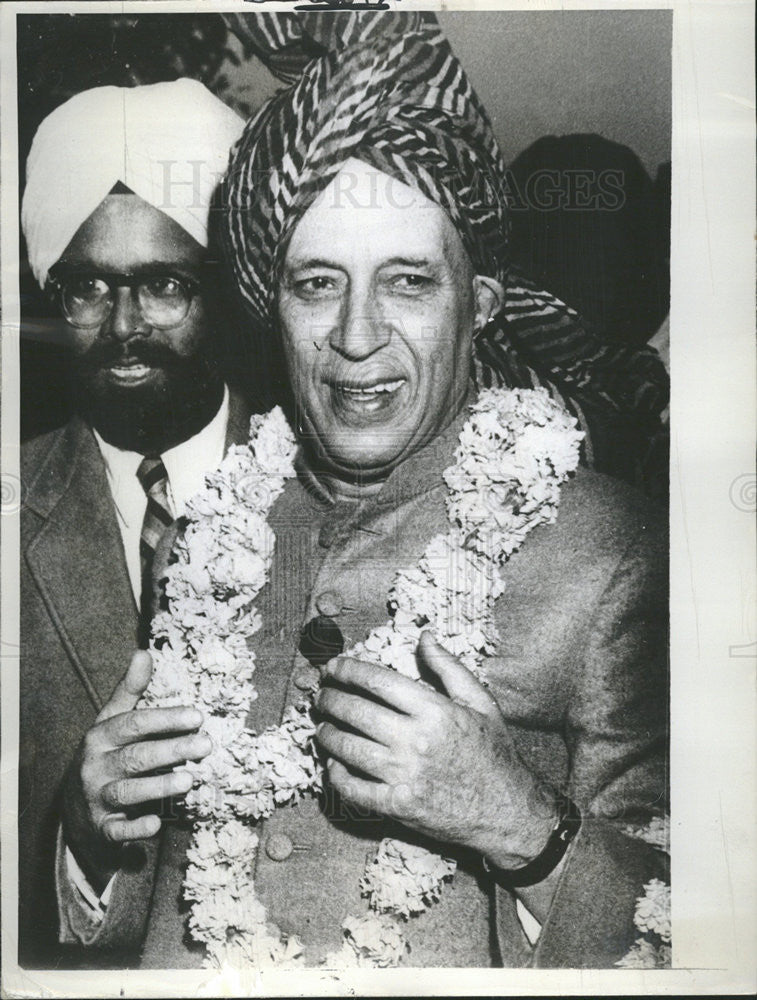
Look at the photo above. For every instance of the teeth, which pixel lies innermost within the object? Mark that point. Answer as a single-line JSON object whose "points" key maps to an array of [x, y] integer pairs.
{"points": [[130, 370], [372, 390]]}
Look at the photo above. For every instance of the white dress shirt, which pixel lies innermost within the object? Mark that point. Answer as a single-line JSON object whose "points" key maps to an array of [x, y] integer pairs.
{"points": [[186, 466]]}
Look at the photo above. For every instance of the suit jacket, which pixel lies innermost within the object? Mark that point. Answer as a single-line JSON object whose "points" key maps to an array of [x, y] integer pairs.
{"points": [[79, 625], [580, 674]]}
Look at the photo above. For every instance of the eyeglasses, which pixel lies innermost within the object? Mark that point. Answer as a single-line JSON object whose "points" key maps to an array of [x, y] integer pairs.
{"points": [[87, 299]]}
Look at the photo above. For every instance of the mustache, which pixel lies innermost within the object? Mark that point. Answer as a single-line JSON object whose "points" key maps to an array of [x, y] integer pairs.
{"points": [[108, 353]]}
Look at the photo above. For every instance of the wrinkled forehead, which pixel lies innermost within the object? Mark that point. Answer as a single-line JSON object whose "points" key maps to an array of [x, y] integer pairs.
{"points": [[366, 215]]}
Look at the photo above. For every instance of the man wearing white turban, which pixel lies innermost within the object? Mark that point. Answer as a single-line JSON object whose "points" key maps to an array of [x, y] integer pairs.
{"points": [[115, 214]]}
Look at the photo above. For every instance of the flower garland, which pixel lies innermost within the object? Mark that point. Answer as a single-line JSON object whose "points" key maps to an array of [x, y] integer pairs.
{"points": [[514, 451], [652, 919], [652, 912]]}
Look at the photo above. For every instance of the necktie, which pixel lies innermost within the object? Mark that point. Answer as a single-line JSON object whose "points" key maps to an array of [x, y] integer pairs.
{"points": [[153, 478]]}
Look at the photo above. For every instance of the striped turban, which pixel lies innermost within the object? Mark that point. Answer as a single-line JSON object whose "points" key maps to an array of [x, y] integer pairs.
{"points": [[386, 89], [167, 142], [390, 93]]}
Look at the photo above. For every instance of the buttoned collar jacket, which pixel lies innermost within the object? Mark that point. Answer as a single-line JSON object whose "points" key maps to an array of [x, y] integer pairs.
{"points": [[580, 673]]}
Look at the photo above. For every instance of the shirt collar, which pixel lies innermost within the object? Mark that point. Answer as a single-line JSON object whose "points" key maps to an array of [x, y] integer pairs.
{"points": [[121, 471], [186, 463]]}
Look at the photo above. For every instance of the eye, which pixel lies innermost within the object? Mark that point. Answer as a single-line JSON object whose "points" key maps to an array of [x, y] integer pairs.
{"points": [[165, 287], [410, 282], [86, 289], [317, 286]]}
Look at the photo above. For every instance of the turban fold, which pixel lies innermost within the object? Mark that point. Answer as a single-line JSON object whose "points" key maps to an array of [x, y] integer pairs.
{"points": [[167, 142]]}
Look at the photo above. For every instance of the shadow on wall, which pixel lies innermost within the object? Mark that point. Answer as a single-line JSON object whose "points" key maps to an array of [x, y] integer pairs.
{"points": [[589, 224]]}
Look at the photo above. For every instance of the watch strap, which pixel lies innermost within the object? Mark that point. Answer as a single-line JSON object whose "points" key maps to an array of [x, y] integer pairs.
{"points": [[566, 827]]}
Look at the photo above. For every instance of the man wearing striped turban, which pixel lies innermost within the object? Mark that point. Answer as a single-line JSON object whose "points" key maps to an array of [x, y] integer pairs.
{"points": [[367, 229], [414, 115]]}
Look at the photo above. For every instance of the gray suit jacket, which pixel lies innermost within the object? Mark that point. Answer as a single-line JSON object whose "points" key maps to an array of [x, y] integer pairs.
{"points": [[78, 631], [581, 675]]}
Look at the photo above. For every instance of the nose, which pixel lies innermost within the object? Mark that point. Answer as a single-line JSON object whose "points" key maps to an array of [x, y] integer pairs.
{"points": [[361, 329], [125, 320]]}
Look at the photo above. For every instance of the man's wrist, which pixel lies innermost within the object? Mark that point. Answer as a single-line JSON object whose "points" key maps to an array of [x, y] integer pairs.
{"points": [[94, 901], [520, 846], [97, 860], [534, 868]]}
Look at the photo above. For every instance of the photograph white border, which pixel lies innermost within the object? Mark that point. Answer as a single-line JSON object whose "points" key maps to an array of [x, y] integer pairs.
{"points": [[714, 634]]}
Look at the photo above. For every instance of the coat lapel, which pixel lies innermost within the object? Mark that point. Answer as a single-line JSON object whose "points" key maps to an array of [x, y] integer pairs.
{"points": [[77, 561]]}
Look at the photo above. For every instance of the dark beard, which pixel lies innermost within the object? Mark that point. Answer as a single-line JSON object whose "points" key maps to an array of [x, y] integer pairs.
{"points": [[170, 408]]}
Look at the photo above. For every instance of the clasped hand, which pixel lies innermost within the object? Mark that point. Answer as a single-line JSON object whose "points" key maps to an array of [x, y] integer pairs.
{"points": [[442, 763], [116, 772]]}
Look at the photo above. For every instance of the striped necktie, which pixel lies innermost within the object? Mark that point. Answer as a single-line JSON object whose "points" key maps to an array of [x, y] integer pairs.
{"points": [[153, 478]]}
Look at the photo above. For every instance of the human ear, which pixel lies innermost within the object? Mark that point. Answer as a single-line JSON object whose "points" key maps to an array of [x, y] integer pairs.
{"points": [[489, 296]]}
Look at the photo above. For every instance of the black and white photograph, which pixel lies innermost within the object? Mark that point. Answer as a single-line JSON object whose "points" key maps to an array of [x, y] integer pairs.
{"points": [[368, 621]]}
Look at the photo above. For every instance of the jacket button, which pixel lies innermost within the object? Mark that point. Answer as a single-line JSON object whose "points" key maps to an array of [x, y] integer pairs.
{"points": [[307, 679], [278, 847], [330, 603]]}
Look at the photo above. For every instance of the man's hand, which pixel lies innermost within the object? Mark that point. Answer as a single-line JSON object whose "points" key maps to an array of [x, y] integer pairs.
{"points": [[442, 764], [114, 773]]}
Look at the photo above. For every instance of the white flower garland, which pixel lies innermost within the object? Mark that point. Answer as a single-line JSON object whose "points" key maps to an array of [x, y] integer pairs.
{"points": [[515, 450], [652, 912]]}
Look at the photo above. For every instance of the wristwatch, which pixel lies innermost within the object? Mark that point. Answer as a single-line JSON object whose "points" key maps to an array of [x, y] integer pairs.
{"points": [[567, 825]]}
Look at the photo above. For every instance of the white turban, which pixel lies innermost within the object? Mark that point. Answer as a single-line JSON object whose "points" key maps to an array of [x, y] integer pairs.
{"points": [[167, 142]]}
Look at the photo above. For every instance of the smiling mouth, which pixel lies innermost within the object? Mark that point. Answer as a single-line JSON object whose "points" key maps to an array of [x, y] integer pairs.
{"points": [[368, 392], [360, 400], [129, 371]]}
